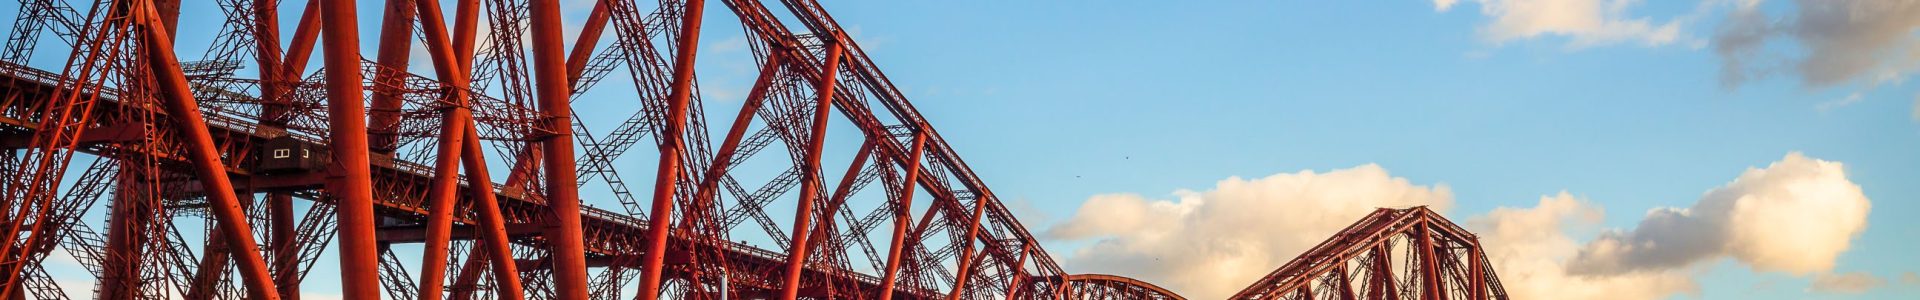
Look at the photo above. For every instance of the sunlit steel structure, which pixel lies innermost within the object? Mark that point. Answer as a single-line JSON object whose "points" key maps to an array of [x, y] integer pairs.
{"points": [[1407, 253], [228, 176]]}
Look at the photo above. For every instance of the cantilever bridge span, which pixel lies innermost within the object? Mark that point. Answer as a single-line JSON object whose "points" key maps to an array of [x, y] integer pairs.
{"points": [[1405, 253], [230, 175]]}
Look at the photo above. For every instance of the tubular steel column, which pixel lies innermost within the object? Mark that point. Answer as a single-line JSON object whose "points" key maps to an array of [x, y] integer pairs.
{"points": [[589, 37], [352, 183], [1429, 262], [396, 40], [810, 181], [1476, 273], [1382, 274], [460, 143], [563, 197], [709, 184], [1343, 281], [126, 234], [961, 278], [221, 201], [274, 86], [285, 266], [673, 142], [902, 216], [1013, 284]]}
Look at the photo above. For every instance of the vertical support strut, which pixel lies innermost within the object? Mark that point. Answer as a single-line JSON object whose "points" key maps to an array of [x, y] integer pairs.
{"points": [[902, 215], [396, 39], [563, 197], [351, 181], [225, 206], [1476, 272], [1343, 281], [673, 142], [1018, 275], [1382, 271], [285, 267], [810, 182], [126, 233], [961, 278], [459, 144], [1429, 262]]}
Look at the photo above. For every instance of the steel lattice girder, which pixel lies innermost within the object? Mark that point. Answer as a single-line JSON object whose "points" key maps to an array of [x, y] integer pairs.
{"points": [[1439, 259], [513, 95]]}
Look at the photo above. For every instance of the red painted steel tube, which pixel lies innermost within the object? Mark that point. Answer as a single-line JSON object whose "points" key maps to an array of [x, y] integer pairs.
{"points": [[840, 193], [902, 217], [1429, 263], [214, 258], [962, 277], [443, 195], [285, 267], [1383, 269], [353, 184], [660, 217], [810, 181], [304, 37], [1476, 276], [396, 40], [460, 134], [169, 11], [493, 223], [709, 184], [1013, 284], [466, 17], [126, 233], [1306, 291], [1343, 281], [563, 234], [589, 38], [273, 76], [221, 201]]}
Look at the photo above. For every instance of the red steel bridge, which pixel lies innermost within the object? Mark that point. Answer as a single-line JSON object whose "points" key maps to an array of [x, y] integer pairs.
{"points": [[231, 175]]}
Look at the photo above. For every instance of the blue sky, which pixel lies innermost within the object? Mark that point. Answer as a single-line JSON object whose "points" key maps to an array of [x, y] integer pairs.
{"points": [[1057, 102]]}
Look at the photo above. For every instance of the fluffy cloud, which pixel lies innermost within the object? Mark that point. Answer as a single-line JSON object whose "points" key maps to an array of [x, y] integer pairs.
{"points": [[1585, 22], [1846, 283], [1210, 244], [1795, 216], [1872, 40], [1529, 248]]}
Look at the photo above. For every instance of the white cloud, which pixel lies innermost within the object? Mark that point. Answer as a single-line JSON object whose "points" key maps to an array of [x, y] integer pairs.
{"points": [[1795, 216], [1529, 248], [1210, 244], [1846, 283], [1584, 22]]}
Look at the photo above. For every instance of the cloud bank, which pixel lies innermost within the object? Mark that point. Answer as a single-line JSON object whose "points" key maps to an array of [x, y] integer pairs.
{"points": [[1795, 216], [1872, 40]]}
